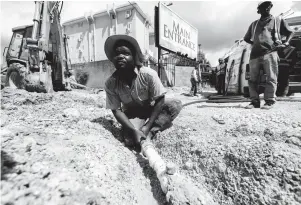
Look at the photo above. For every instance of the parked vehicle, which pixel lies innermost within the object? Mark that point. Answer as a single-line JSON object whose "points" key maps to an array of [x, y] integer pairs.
{"points": [[289, 77]]}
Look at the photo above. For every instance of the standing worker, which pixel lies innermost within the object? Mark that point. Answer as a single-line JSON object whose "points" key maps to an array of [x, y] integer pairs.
{"points": [[221, 74], [265, 37], [194, 81], [135, 93], [200, 82]]}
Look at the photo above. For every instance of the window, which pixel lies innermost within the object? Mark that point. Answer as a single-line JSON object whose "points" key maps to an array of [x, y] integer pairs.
{"points": [[128, 14], [128, 28], [113, 16], [15, 46]]}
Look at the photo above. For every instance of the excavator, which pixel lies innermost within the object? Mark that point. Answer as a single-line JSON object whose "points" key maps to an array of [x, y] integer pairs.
{"points": [[37, 56]]}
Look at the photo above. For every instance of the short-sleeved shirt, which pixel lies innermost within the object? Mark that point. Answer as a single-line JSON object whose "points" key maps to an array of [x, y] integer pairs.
{"points": [[264, 40], [221, 69], [146, 88], [194, 74]]}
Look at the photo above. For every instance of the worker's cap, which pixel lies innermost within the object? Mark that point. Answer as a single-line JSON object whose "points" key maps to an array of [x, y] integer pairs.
{"points": [[220, 59], [111, 42], [261, 3]]}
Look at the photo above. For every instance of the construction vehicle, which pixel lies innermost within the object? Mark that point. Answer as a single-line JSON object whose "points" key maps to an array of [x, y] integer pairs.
{"points": [[289, 77], [37, 56]]}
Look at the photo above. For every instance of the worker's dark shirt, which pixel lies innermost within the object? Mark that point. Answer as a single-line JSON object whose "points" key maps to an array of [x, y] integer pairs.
{"points": [[221, 69], [264, 41]]}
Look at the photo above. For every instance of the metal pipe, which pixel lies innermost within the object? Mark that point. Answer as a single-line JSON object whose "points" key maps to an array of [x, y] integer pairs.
{"points": [[36, 19], [94, 36], [88, 36], [156, 162]]}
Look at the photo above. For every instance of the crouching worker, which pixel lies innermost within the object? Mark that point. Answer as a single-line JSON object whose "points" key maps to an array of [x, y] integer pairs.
{"points": [[135, 93]]}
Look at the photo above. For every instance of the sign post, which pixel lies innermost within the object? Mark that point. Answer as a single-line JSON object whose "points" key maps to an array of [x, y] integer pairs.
{"points": [[159, 64]]}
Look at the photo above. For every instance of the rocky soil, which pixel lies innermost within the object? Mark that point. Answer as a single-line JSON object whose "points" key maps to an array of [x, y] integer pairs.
{"points": [[66, 148]]}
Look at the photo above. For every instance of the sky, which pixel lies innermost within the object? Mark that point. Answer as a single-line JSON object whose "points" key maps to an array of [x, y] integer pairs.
{"points": [[219, 23]]}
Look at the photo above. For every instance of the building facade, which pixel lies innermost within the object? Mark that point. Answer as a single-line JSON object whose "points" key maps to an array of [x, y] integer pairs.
{"points": [[87, 35]]}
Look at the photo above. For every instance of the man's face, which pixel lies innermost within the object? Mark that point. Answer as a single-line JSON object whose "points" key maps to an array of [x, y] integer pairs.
{"points": [[123, 58], [265, 9], [220, 61]]}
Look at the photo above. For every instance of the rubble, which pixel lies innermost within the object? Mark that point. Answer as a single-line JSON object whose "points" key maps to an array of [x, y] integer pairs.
{"points": [[254, 158]]}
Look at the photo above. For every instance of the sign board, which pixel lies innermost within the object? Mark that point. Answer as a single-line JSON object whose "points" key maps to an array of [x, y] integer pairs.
{"points": [[175, 34]]}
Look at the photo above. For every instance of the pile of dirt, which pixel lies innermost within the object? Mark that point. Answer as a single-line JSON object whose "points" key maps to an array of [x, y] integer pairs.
{"points": [[254, 158], [64, 148]]}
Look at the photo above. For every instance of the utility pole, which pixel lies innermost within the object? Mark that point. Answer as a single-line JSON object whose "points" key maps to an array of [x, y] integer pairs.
{"points": [[199, 52], [159, 47], [200, 57], [159, 64]]}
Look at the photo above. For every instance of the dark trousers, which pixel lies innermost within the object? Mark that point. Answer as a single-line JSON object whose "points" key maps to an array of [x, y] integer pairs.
{"points": [[283, 82], [194, 86], [138, 116], [221, 84]]}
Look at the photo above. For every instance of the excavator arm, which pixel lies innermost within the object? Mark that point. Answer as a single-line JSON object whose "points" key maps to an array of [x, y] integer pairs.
{"points": [[46, 65], [46, 46]]}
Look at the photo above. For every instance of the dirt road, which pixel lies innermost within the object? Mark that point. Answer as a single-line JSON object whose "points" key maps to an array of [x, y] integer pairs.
{"points": [[65, 148]]}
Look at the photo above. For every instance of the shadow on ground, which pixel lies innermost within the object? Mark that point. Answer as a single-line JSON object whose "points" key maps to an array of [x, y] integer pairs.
{"points": [[7, 164], [109, 125], [148, 172], [205, 94], [154, 182], [220, 106]]}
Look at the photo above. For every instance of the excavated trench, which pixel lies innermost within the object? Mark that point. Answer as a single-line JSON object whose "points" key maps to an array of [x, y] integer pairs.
{"points": [[65, 148]]}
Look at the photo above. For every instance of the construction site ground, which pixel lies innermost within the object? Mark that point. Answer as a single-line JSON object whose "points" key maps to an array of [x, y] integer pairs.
{"points": [[66, 148]]}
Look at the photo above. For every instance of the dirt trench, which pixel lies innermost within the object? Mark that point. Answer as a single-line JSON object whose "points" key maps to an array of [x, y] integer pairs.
{"points": [[65, 148]]}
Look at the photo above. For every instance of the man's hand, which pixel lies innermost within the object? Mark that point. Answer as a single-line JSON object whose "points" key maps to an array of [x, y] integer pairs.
{"points": [[282, 46], [124, 121], [138, 136], [145, 129]]}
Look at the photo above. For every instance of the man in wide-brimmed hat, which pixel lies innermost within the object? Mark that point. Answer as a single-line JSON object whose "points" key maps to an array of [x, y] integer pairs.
{"points": [[135, 93], [265, 36]]}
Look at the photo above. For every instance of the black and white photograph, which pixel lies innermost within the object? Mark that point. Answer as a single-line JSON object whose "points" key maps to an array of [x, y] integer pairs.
{"points": [[150, 102]]}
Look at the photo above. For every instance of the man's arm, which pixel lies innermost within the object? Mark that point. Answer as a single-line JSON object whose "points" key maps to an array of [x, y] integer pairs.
{"points": [[156, 93], [113, 103], [125, 122], [248, 36], [156, 111], [195, 75], [286, 31]]}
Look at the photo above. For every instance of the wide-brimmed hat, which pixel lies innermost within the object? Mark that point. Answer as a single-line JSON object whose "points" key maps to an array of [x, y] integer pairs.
{"points": [[264, 2], [111, 41]]}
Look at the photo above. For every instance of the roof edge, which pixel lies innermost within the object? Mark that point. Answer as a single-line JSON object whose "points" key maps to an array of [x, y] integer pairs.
{"points": [[21, 27], [104, 12]]}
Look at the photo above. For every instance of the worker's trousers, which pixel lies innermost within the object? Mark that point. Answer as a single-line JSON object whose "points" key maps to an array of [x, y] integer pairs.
{"points": [[194, 86], [138, 116], [221, 84], [269, 62]]}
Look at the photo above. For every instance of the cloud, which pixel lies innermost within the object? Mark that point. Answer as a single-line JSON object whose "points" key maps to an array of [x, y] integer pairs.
{"points": [[213, 56], [13, 14], [219, 23], [75, 9], [296, 5]]}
